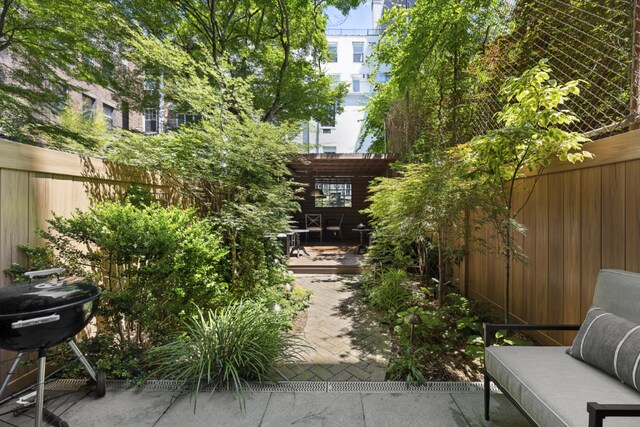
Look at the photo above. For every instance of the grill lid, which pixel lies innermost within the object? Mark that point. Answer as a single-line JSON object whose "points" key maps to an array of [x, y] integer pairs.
{"points": [[45, 294]]}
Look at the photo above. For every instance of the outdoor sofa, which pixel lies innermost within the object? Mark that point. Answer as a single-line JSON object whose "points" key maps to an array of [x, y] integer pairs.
{"points": [[583, 384]]}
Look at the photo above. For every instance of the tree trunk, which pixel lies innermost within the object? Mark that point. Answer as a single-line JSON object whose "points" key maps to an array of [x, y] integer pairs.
{"points": [[465, 260], [441, 272], [507, 267]]}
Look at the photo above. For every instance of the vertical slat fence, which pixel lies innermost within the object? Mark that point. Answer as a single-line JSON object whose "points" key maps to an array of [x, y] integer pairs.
{"points": [[35, 183], [580, 218]]}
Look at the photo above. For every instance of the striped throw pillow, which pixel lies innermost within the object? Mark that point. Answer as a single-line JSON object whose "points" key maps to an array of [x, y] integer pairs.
{"points": [[610, 343]]}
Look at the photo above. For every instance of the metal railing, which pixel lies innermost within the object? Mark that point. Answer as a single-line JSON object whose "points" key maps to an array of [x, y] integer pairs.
{"points": [[353, 32]]}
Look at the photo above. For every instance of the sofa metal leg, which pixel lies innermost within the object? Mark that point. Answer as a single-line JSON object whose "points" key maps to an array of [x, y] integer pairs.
{"points": [[487, 395]]}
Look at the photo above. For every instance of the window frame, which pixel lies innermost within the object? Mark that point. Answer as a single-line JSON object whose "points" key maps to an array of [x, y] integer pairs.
{"points": [[358, 57], [333, 55], [88, 109], [152, 120], [339, 187], [108, 117], [333, 149]]}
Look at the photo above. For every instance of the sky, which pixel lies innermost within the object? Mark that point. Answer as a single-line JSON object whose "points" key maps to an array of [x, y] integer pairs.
{"points": [[359, 18]]}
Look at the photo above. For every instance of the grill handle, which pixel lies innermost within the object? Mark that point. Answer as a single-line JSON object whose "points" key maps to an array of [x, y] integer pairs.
{"points": [[40, 273], [35, 321]]}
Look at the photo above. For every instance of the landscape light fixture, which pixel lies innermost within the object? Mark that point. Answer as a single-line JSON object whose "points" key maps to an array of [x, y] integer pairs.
{"points": [[316, 192]]}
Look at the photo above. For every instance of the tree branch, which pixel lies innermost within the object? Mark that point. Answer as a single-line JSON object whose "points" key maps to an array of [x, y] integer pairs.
{"points": [[286, 46]]}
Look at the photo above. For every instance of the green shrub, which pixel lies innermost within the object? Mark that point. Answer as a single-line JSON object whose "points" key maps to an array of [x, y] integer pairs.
{"points": [[475, 347], [226, 348], [153, 264], [406, 368], [40, 258], [389, 292], [120, 361], [290, 302]]}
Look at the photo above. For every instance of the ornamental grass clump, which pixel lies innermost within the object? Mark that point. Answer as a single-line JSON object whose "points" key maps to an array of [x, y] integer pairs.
{"points": [[226, 348]]}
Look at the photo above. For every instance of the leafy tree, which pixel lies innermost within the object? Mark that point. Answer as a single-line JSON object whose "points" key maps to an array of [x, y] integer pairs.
{"points": [[532, 133], [230, 164], [48, 47], [277, 45], [426, 205], [429, 47]]}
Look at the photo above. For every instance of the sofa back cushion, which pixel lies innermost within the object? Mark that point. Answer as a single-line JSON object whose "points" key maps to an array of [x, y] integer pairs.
{"points": [[618, 292]]}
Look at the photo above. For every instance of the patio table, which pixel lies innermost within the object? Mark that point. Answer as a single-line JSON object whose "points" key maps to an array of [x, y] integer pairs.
{"points": [[362, 247], [297, 242], [287, 237]]}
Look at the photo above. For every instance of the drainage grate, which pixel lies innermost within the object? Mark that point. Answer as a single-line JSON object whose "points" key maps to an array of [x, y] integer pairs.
{"points": [[65, 384], [293, 386], [402, 387], [290, 386]]}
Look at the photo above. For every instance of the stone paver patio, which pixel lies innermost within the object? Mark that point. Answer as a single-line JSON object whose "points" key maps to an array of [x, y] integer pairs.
{"points": [[346, 339], [136, 408]]}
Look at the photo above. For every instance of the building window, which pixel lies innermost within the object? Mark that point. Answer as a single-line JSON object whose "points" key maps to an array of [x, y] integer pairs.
{"points": [[355, 85], [335, 80], [151, 120], [372, 46], [62, 94], [337, 192], [88, 106], [150, 81], [108, 115], [180, 119], [186, 118], [329, 149], [331, 119], [333, 52], [358, 52], [326, 130]]}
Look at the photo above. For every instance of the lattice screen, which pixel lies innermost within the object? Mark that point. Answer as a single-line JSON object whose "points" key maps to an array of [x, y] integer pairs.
{"points": [[590, 40]]}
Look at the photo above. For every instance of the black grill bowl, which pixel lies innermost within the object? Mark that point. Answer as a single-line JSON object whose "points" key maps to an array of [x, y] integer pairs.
{"points": [[43, 313]]}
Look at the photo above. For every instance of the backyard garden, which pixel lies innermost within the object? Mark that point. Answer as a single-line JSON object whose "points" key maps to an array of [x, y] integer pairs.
{"points": [[193, 290]]}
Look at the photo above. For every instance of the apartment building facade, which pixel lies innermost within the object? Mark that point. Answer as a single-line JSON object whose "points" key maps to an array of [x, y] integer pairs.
{"points": [[349, 62]]}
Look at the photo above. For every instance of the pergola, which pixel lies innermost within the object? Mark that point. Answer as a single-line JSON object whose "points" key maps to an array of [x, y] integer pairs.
{"points": [[352, 173]]}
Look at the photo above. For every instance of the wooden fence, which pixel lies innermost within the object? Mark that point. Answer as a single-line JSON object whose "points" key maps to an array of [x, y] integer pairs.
{"points": [[37, 182], [580, 218]]}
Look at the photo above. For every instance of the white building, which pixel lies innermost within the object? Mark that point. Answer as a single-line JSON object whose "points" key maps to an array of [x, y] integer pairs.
{"points": [[350, 50]]}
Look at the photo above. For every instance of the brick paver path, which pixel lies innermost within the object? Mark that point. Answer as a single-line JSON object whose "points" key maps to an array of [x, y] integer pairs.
{"points": [[348, 343]]}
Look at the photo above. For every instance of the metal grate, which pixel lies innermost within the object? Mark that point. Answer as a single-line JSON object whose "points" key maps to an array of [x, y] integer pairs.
{"points": [[292, 386], [402, 387]]}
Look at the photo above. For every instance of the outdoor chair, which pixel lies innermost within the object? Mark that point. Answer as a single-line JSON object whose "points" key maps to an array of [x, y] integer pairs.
{"points": [[313, 223], [337, 228]]}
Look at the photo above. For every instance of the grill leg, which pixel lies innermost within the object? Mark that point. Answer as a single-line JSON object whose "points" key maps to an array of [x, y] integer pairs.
{"points": [[487, 395], [82, 360], [10, 373], [40, 387]]}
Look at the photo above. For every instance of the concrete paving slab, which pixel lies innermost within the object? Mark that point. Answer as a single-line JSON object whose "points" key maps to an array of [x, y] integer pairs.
{"points": [[118, 408], [408, 410], [57, 402], [313, 409], [503, 413], [216, 409]]}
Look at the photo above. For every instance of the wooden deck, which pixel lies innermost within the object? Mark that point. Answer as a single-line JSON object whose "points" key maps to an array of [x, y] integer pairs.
{"points": [[327, 258]]}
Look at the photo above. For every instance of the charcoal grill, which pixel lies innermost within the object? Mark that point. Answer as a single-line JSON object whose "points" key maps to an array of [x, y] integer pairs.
{"points": [[42, 313]]}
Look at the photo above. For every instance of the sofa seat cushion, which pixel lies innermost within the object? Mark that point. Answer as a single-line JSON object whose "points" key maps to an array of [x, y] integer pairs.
{"points": [[553, 388]]}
